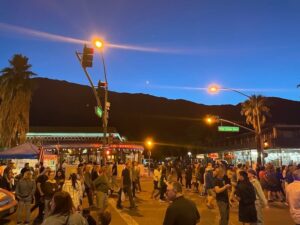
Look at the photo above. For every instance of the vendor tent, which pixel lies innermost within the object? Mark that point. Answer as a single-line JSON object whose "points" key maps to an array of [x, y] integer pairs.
{"points": [[24, 151]]}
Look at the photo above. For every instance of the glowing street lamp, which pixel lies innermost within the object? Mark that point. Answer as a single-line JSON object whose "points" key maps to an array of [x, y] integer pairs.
{"points": [[213, 89], [149, 146]]}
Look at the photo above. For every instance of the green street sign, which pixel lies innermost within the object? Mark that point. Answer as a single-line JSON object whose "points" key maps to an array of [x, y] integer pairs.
{"points": [[98, 111], [228, 129]]}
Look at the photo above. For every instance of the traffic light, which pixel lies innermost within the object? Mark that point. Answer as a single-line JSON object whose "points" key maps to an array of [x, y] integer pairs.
{"points": [[87, 57]]}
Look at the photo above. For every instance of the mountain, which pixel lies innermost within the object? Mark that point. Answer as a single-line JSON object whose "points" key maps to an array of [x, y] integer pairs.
{"points": [[136, 116]]}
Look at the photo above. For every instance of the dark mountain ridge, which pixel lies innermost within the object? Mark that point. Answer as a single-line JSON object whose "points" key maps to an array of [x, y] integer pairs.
{"points": [[136, 116]]}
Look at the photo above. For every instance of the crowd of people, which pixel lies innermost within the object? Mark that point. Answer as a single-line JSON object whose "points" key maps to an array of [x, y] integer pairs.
{"points": [[59, 199]]}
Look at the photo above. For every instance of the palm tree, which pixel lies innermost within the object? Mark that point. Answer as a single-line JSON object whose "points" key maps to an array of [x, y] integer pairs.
{"points": [[256, 112], [15, 96]]}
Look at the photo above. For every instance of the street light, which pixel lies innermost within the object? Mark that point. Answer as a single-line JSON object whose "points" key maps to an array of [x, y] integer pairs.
{"points": [[215, 88], [99, 44], [149, 146]]}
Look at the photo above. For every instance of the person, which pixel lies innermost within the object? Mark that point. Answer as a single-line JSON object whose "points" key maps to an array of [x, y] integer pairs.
{"points": [[293, 197], [25, 168], [25, 190], [8, 182], [156, 178], [126, 186], [73, 187], [88, 184], [114, 173], [181, 210], [221, 189], [39, 193], [179, 173], [105, 217], [62, 213], [261, 201], [60, 179], [133, 178], [90, 220], [188, 177], [138, 178], [8, 168], [209, 186], [246, 195], [101, 185], [49, 189], [163, 184]]}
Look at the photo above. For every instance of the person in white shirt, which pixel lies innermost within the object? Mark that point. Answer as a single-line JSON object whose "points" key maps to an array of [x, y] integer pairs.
{"points": [[156, 179], [293, 197]]}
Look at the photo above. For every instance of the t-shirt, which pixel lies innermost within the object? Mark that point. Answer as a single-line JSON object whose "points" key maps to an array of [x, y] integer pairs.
{"points": [[126, 177], [182, 211], [42, 180], [222, 196]]}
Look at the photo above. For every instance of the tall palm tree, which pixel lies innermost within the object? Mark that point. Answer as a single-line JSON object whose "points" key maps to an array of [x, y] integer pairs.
{"points": [[15, 96], [256, 112]]}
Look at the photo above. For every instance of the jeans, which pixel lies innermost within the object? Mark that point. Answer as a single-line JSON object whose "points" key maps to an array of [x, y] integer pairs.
{"points": [[21, 206], [89, 194], [101, 200], [133, 188], [47, 208], [224, 212], [259, 213], [138, 182]]}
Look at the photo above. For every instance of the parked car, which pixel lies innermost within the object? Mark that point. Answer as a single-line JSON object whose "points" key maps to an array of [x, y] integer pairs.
{"points": [[8, 203]]}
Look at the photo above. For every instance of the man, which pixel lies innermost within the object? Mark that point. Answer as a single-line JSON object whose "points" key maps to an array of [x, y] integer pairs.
{"points": [[25, 168], [261, 200], [181, 210], [293, 197], [88, 183], [39, 194], [101, 185], [222, 196], [125, 186]]}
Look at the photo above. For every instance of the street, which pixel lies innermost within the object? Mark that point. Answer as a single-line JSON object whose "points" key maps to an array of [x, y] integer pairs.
{"points": [[151, 212]]}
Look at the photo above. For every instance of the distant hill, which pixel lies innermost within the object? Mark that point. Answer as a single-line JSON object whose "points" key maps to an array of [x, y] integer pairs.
{"points": [[136, 116]]}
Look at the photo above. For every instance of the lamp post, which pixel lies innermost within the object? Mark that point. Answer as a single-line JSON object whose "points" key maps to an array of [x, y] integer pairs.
{"points": [[214, 89], [99, 44], [190, 156], [149, 145]]}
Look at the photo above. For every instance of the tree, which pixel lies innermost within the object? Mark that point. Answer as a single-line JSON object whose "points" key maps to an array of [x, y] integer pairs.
{"points": [[15, 96], [256, 112]]}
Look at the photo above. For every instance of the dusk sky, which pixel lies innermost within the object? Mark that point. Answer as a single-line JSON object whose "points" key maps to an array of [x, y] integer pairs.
{"points": [[188, 44]]}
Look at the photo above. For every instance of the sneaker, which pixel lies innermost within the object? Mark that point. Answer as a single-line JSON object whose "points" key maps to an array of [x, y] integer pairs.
{"points": [[26, 223], [160, 200]]}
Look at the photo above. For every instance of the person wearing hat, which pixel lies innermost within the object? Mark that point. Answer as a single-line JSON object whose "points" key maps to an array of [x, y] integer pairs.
{"points": [[261, 200]]}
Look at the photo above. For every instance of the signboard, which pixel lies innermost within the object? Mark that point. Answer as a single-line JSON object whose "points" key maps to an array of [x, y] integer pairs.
{"points": [[228, 129]]}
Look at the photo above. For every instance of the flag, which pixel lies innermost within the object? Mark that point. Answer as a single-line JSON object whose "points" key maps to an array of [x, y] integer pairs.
{"points": [[42, 154]]}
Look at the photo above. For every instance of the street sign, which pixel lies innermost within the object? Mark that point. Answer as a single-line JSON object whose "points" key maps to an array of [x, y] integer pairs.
{"points": [[228, 129], [98, 111]]}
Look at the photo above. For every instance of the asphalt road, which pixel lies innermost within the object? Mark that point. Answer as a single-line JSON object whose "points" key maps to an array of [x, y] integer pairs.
{"points": [[151, 212]]}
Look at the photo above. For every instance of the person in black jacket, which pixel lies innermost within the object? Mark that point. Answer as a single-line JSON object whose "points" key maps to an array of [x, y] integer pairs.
{"points": [[245, 193]]}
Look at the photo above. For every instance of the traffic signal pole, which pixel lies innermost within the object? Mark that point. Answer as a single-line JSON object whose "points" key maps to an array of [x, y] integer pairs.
{"points": [[90, 80]]}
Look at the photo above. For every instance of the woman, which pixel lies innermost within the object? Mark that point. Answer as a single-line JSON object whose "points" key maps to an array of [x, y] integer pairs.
{"points": [[49, 190], [62, 211], [245, 193], [74, 188], [25, 194], [60, 179]]}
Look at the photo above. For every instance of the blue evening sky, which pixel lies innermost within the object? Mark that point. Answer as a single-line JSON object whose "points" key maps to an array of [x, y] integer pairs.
{"points": [[237, 43]]}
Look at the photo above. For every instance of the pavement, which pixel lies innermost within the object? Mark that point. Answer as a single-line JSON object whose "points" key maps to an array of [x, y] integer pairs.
{"points": [[151, 212]]}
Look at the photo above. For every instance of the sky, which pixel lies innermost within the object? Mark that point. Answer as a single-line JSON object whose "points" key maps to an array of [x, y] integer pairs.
{"points": [[178, 48]]}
